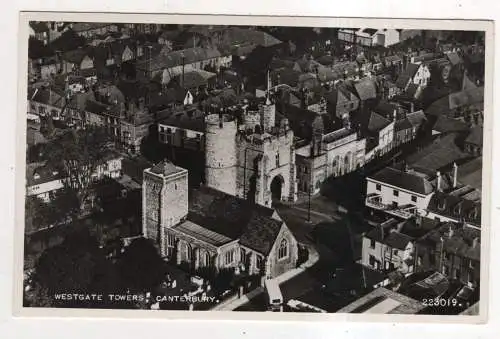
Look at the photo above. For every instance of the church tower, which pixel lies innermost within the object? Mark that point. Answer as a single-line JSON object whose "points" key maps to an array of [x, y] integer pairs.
{"points": [[164, 200]]}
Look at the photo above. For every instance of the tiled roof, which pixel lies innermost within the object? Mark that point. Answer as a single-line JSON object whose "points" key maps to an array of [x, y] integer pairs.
{"points": [[377, 122], [467, 97], [416, 118], [96, 107], [165, 167], [192, 120], [475, 136], [410, 181], [402, 124], [441, 153], [397, 240], [195, 78], [445, 125], [260, 233], [75, 56], [407, 75], [460, 241], [47, 96], [470, 173], [175, 58], [234, 218], [44, 173], [366, 89], [456, 206]]}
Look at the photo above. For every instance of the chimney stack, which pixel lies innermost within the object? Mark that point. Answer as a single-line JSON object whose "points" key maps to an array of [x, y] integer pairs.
{"points": [[395, 114], [455, 174], [412, 107], [438, 181]]}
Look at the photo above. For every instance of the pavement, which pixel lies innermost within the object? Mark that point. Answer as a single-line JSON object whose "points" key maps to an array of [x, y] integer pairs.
{"points": [[235, 302]]}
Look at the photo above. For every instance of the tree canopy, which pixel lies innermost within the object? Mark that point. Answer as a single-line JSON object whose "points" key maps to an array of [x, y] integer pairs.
{"points": [[141, 267], [77, 265], [78, 153]]}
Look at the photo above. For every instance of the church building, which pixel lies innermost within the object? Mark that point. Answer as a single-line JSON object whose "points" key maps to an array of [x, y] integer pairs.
{"points": [[207, 227]]}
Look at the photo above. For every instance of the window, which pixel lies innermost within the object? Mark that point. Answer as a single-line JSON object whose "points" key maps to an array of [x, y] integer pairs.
{"points": [[378, 187], [413, 198], [259, 262], [277, 159], [437, 219], [189, 253], [395, 193], [283, 249], [371, 260], [229, 257], [372, 243], [395, 252], [394, 204]]}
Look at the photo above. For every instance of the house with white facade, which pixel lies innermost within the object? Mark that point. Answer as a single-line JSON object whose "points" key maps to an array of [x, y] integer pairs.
{"points": [[390, 245], [369, 37], [401, 192], [416, 74]]}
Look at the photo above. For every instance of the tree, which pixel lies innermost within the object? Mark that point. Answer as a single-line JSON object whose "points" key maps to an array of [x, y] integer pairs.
{"points": [[77, 265], [141, 268], [38, 214], [78, 153]]}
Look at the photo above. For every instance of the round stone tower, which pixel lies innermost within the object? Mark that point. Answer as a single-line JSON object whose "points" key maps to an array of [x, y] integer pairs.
{"points": [[220, 152]]}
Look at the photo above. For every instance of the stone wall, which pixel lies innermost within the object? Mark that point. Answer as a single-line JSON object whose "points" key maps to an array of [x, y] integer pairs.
{"points": [[220, 153]]}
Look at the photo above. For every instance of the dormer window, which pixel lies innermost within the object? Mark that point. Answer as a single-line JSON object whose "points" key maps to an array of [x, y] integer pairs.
{"points": [[55, 172], [36, 176]]}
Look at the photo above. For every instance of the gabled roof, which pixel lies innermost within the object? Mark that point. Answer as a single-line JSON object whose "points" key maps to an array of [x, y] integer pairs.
{"points": [[402, 124], [377, 122], [441, 153], [467, 97], [366, 89], [194, 79], [416, 118], [75, 56], [445, 125], [411, 181], [407, 75], [177, 58], [235, 218], [192, 120], [398, 240], [47, 96]]}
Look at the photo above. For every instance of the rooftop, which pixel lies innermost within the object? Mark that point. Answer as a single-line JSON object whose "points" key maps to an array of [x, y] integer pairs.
{"points": [[383, 301], [201, 233], [165, 167], [408, 180], [442, 152], [254, 225]]}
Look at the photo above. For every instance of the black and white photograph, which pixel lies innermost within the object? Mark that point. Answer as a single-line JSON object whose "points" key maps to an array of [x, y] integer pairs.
{"points": [[266, 168]]}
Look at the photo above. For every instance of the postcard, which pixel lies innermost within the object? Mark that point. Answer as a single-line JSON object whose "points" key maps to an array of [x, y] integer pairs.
{"points": [[309, 168]]}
